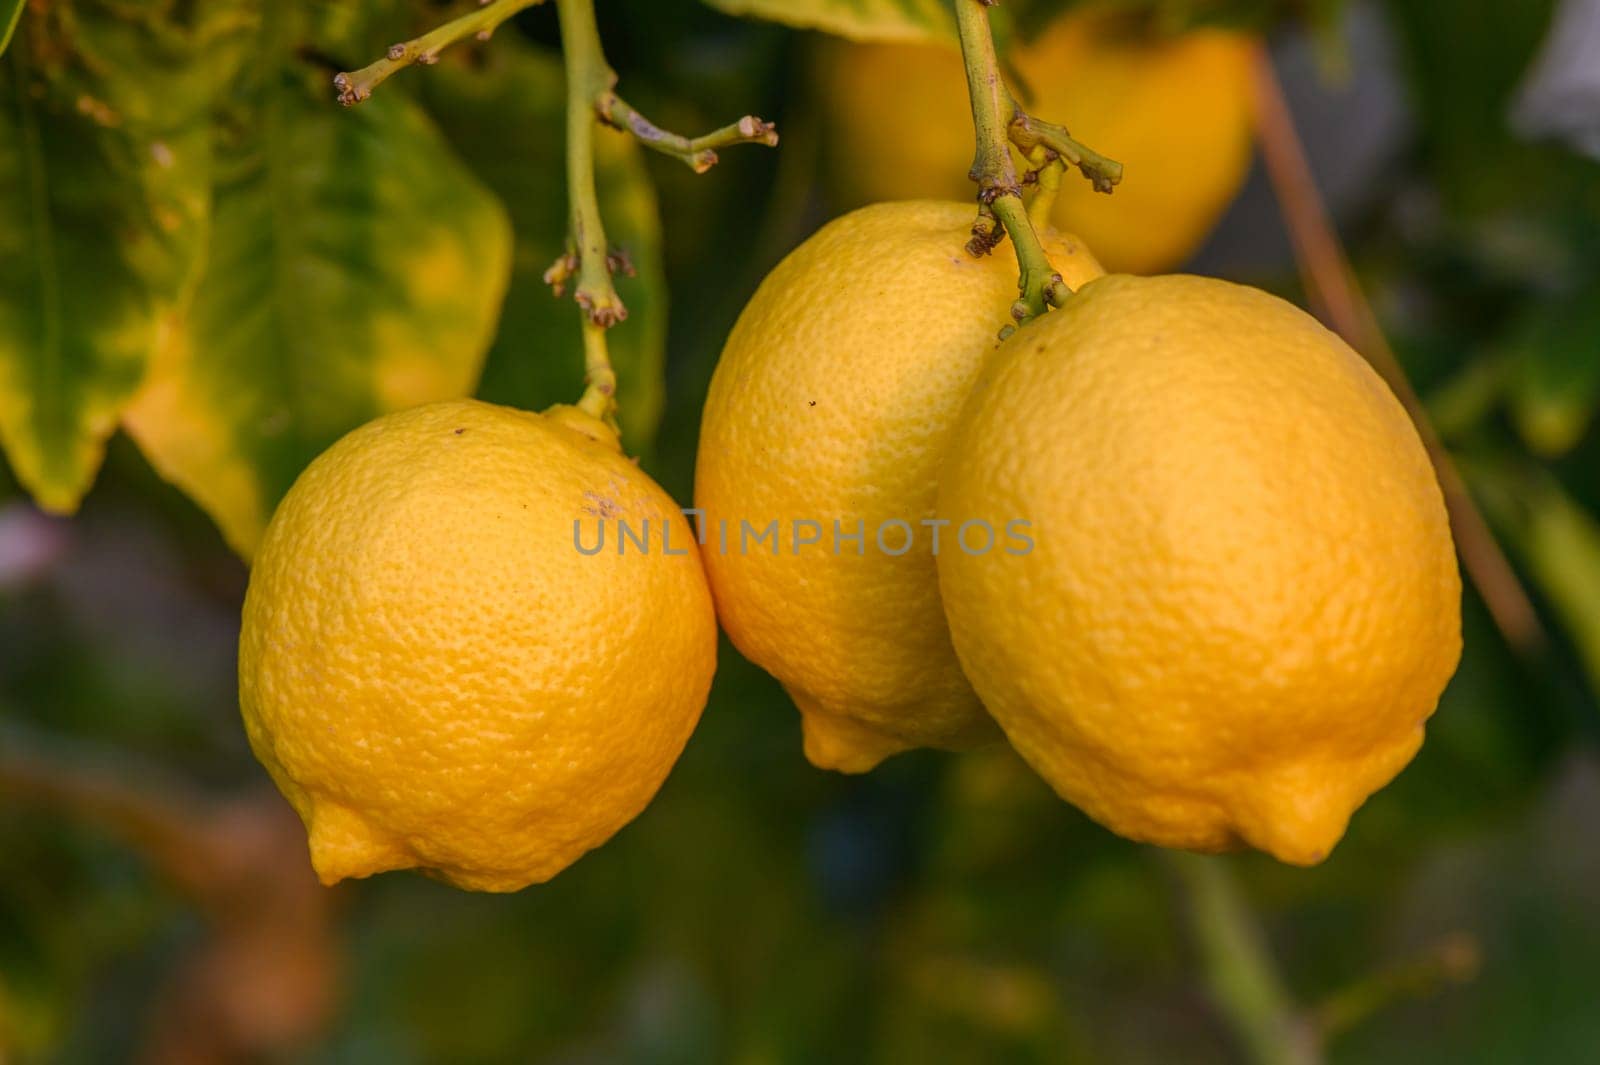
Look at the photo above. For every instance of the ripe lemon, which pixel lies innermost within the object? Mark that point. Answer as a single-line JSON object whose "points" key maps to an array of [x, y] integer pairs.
{"points": [[433, 672], [1175, 110], [826, 415], [1242, 601]]}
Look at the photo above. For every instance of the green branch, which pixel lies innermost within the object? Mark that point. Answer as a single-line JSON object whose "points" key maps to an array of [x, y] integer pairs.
{"points": [[999, 122], [592, 98], [1453, 960], [698, 153], [1045, 173], [1239, 969], [589, 77], [355, 86], [1030, 133], [588, 262], [995, 172]]}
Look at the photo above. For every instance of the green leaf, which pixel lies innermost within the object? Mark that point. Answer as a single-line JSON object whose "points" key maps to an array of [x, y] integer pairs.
{"points": [[506, 117], [355, 267], [860, 20], [1562, 542], [102, 204], [1461, 95], [1559, 543], [10, 15], [1556, 382]]}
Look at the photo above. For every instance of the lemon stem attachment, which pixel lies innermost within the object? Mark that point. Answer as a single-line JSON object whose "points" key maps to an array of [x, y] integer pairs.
{"points": [[599, 396], [995, 172], [1046, 170], [355, 86], [1029, 133], [592, 98], [589, 263], [999, 122], [588, 77]]}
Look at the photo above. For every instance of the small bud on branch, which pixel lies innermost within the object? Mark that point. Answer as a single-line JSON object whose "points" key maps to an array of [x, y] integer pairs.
{"points": [[999, 122], [698, 153], [355, 86], [588, 264]]}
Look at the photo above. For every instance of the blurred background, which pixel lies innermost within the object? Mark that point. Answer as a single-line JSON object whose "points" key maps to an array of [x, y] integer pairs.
{"points": [[156, 903]]}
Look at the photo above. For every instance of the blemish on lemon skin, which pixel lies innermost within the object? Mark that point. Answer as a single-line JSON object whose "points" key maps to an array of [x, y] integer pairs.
{"points": [[600, 506]]}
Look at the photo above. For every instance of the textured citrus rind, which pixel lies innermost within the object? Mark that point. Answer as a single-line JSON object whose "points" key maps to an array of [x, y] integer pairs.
{"points": [[1243, 600], [437, 677], [831, 404]]}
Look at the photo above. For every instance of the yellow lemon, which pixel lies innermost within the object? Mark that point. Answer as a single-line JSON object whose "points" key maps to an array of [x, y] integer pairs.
{"points": [[816, 472], [1176, 111], [1241, 601], [437, 676]]}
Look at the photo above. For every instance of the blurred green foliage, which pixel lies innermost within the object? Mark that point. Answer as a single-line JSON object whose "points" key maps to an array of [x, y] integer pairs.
{"points": [[99, 232], [934, 20], [884, 20], [200, 247], [941, 909]]}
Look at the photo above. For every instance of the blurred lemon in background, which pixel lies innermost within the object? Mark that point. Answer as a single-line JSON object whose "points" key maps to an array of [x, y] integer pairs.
{"points": [[1175, 110]]}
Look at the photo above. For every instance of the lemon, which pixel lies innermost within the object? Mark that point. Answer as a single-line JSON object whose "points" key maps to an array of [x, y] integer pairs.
{"points": [[1241, 603], [1175, 110], [435, 674], [823, 427]]}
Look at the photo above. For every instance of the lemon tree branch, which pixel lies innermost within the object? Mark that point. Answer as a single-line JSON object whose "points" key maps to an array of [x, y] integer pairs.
{"points": [[993, 169], [588, 78], [698, 153], [592, 98], [999, 122], [1454, 959], [1045, 175], [1030, 133], [588, 264], [355, 86], [1238, 967]]}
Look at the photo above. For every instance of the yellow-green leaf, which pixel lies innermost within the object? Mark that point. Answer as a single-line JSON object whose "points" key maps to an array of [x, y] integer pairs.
{"points": [[10, 15], [102, 203], [1562, 543], [1555, 538], [860, 20], [355, 266]]}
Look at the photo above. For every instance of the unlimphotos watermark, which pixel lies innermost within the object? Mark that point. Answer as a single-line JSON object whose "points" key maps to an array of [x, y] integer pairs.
{"points": [[893, 536]]}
